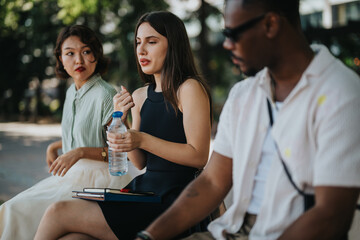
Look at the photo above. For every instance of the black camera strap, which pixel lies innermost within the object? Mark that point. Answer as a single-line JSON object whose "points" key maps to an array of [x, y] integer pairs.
{"points": [[309, 198], [278, 152]]}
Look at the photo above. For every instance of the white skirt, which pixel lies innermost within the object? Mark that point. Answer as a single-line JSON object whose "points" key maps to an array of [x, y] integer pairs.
{"points": [[21, 215]]}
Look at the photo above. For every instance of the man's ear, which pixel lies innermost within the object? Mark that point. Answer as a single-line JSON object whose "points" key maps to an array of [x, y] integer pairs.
{"points": [[272, 24]]}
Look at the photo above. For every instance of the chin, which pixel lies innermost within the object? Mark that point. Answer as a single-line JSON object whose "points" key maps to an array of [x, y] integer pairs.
{"points": [[251, 72], [248, 71], [147, 72]]}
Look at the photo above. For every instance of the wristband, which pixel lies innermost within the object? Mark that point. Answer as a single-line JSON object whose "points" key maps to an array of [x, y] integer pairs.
{"points": [[144, 235]]}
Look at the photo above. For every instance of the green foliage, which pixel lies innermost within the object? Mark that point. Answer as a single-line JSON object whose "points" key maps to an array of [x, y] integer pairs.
{"points": [[28, 31], [72, 9]]}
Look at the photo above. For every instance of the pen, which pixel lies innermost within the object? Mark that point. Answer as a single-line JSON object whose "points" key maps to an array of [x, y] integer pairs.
{"points": [[127, 190]]}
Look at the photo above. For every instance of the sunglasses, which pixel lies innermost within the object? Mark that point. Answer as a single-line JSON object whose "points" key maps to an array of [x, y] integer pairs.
{"points": [[233, 33]]}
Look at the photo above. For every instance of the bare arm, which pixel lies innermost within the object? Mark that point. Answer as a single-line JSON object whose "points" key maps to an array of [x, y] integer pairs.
{"points": [[197, 201], [330, 218], [136, 156], [52, 152], [64, 162], [124, 102], [197, 126]]}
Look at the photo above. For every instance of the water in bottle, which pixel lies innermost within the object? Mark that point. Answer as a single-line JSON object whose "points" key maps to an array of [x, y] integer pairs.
{"points": [[118, 163]]}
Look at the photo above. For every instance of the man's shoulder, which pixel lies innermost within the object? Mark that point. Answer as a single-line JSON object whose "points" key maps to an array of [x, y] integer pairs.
{"points": [[331, 70], [340, 79]]}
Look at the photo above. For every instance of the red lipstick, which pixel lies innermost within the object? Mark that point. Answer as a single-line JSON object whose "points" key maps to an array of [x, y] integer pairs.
{"points": [[80, 69]]}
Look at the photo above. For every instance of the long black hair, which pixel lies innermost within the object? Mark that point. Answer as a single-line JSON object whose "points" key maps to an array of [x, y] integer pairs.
{"points": [[179, 64]]}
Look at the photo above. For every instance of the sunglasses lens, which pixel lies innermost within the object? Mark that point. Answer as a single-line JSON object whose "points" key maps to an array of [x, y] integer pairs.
{"points": [[233, 33], [229, 34]]}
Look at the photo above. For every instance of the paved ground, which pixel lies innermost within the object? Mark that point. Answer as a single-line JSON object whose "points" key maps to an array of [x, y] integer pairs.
{"points": [[22, 155]]}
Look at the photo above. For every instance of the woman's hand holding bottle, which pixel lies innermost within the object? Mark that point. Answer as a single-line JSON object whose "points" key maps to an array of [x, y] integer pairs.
{"points": [[125, 142], [123, 101]]}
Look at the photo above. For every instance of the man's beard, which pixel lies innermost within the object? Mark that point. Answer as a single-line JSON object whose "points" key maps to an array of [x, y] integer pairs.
{"points": [[250, 72]]}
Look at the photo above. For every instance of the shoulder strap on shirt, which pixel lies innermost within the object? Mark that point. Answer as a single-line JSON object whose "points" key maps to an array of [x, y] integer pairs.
{"points": [[282, 161], [278, 152], [270, 112]]}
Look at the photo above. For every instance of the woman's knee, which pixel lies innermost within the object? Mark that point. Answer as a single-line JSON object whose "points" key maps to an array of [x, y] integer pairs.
{"points": [[58, 208]]}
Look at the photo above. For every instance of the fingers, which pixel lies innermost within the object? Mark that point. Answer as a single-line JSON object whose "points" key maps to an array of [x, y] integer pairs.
{"points": [[129, 105], [52, 166], [48, 162], [58, 168], [122, 95], [64, 171], [50, 157], [114, 137], [119, 142], [123, 101], [124, 147]]}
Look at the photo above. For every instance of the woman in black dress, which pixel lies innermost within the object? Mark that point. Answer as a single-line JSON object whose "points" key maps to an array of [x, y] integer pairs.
{"points": [[170, 136]]}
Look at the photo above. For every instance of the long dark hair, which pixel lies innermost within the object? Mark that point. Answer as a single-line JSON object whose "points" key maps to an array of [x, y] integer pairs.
{"points": [[179, 62], [88, 37]]}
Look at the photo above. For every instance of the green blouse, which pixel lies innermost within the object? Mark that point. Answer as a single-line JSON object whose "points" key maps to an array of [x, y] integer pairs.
{"points": [[86, 113]]}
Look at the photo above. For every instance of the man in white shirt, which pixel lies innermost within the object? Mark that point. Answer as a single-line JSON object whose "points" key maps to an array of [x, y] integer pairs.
{"points": [[315, 105]]}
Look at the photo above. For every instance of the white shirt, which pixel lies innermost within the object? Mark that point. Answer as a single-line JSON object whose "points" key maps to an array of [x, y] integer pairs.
{"points": [[317, 132], [268, 153]]}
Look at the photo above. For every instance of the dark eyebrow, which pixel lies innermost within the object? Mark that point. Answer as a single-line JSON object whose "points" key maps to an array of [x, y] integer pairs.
{"points": [[149, 37], [85, 46]]}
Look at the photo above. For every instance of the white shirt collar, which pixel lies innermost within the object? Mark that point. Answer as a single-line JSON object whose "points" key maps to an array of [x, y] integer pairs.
{"points": [[319, 63]]}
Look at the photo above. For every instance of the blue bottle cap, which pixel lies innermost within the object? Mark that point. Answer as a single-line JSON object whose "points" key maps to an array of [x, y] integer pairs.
{"points": [[117, 114]]}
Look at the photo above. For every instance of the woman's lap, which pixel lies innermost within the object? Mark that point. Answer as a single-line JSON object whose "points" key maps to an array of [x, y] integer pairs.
{"points": [[127, 218]]}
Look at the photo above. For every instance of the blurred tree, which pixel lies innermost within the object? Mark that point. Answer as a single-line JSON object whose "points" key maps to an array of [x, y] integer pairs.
{"points": [[27, 36], [343, 41], [28, 30], [212, 58]]}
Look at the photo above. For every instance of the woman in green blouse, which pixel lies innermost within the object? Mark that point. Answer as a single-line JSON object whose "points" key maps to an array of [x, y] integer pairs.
{"points": [[87, 111]]}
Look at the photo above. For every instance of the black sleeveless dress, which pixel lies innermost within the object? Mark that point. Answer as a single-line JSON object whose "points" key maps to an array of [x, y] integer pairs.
{"points": [[163, 177]]}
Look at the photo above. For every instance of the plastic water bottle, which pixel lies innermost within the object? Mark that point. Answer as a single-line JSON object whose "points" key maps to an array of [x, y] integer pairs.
{"points": [[118, 163]]}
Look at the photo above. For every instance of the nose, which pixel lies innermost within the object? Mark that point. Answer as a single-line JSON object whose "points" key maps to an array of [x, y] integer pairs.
{"points": [[141, 49], [228, 44], [79, 59]]}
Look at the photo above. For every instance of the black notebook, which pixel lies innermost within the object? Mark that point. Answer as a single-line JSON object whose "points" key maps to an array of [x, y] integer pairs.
{"points": [[120, 195]]}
